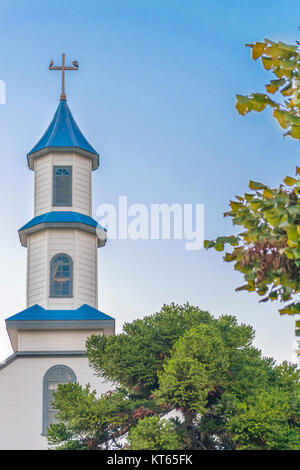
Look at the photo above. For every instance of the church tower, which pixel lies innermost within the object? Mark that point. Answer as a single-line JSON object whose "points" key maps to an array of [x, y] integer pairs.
{"points": [[62, 241]]}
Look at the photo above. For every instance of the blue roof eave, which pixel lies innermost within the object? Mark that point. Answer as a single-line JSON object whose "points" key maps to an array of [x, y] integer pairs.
{"points": [[63, 219], [38, 313]]}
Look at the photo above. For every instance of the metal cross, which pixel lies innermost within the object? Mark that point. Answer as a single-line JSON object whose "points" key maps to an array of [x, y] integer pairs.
{"points": [[63, 67]]}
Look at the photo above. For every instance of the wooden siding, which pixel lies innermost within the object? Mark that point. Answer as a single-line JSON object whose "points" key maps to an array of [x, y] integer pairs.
{"points": [[54, 340], [21, 398], [81, 183], [82, 247]]}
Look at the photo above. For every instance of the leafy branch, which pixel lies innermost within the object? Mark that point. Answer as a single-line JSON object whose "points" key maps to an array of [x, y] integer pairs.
{"points": [[267, 252], [283, 60]]}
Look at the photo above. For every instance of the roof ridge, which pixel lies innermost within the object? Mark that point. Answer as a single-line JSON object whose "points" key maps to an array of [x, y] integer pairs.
{"points": [[55, 125], [69, 118]]}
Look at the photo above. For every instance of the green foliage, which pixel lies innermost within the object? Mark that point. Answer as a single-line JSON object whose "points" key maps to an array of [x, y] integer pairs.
{"points": [[259, 407], [133, 358], [154, 433], [267, 252], [201, 366], [197, 365], [58, 434], [283, 60], [264, 425], [269, 417], [88, 422]]}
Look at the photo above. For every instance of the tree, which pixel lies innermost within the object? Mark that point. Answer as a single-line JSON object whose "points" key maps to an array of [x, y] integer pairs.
{"points": [[261, 405], [154, 433], [134, 357], [87, 421], [189, 362], [267, 252]]}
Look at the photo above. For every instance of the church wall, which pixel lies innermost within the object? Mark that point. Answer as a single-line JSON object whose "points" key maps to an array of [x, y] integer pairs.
{"points": [[87, 269], [81, 183], [36, 269], [43, 185], [82, 247], [54, 340], [21, 398], [61, 241]]}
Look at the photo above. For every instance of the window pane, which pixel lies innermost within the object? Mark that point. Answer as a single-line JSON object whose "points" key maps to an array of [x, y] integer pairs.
{"points": [[62, 186], [55, 376], [59, 374], [61, 276]]}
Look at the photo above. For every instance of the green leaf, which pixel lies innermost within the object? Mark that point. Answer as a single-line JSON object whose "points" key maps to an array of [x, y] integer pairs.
{"points": [[295, 132], [268, 63], [257, 49], [219, 246], [273, 86], [290, 181], [289, 253], [282, 118], [256, 186], [208, 244], [243, 104]]}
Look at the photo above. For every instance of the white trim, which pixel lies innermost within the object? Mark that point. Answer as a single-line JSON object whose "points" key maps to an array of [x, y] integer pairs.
{"points": [[94, 157]]}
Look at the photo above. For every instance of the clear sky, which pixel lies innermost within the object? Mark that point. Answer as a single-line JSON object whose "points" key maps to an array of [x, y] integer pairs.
{"points": [[154, 94]]}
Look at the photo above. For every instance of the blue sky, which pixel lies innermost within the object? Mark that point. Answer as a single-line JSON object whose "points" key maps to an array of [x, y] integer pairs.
{"points": [[154, 94]]}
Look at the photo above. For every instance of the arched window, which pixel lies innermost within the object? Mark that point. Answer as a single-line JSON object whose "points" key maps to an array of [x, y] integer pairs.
{"points": [[61, 276], [56, 375]]}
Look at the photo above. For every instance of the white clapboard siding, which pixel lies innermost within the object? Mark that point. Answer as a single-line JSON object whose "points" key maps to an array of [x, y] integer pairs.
{"points": [[56, 340], [43, 185], [86, 284], [21, 398], [82, 248], [81, 183], [36, 268]]}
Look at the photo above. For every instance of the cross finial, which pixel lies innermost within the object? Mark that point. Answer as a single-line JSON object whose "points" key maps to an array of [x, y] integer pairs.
{"points": [[63, 67]]}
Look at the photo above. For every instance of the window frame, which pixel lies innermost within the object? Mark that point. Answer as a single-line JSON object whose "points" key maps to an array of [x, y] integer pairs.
{"points": [[70, 190], [45, 391], [52, 293]]}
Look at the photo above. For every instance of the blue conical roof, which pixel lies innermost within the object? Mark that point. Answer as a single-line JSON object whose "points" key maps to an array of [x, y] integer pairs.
{"points": [[63, 132]]}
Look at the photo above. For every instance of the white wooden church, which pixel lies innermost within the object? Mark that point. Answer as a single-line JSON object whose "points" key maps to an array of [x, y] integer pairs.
{"points": [[62, 241]]}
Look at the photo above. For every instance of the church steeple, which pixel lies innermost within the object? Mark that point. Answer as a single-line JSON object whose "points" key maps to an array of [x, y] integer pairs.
{"points": [[62, 238], [63, 135]]}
